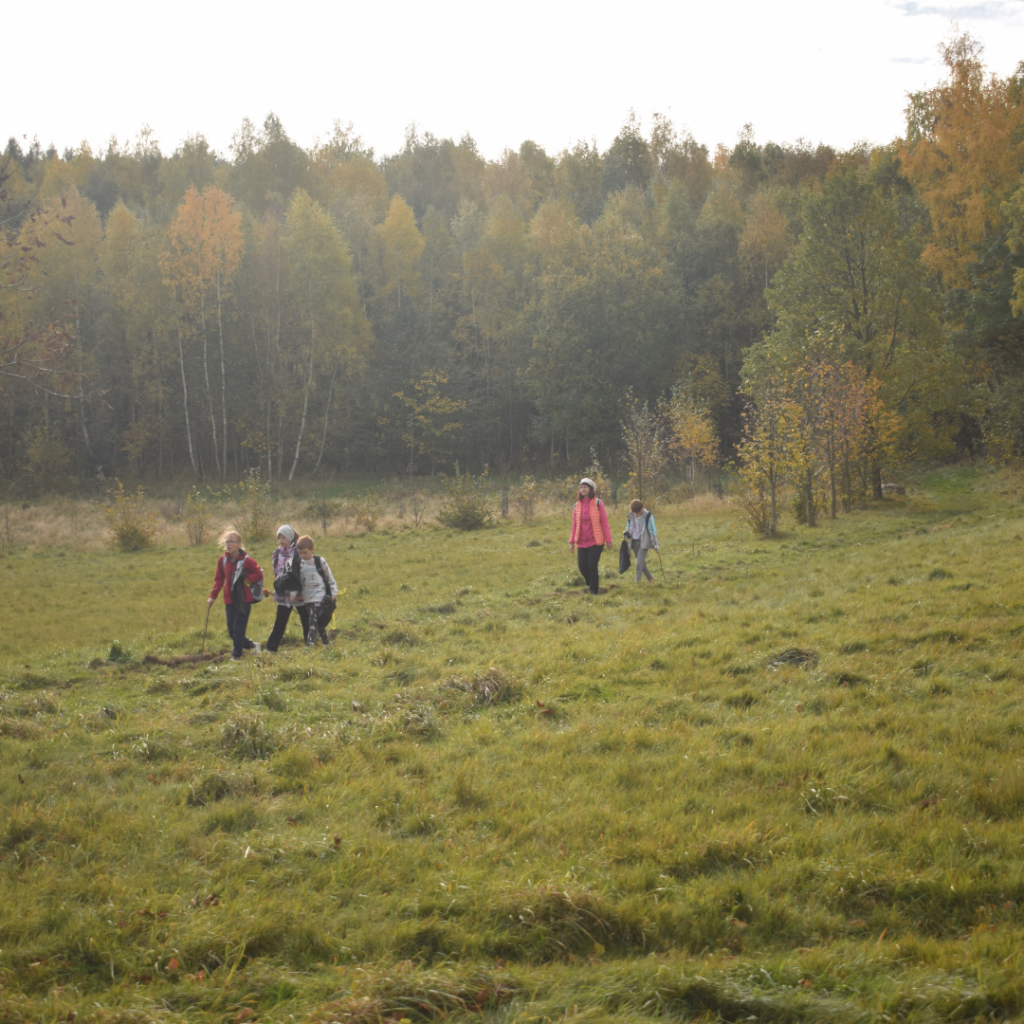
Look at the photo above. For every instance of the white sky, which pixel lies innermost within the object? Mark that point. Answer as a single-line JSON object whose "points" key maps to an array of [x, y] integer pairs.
{"points": [[550, 70]]}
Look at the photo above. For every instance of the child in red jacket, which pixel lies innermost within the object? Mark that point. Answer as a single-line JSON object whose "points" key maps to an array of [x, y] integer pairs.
{"points": [[236, 573]]}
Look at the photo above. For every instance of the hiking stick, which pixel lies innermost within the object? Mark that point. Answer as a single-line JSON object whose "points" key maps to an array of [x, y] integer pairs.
{"points": [[661, 563], [202, 650]]}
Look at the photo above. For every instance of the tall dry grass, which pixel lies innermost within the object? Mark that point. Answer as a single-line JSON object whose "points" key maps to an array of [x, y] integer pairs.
{"points": [[75, 523]]}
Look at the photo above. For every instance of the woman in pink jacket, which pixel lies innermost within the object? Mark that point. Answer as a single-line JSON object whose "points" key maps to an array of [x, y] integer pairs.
{"points": [[589, 532]]}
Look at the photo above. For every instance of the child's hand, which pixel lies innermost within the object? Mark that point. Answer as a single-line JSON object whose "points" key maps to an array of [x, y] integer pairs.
{"points": [[209, 602]]}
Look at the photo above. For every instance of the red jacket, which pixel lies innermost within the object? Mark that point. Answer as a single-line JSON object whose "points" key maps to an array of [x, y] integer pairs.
{"points": [[252, 573]]}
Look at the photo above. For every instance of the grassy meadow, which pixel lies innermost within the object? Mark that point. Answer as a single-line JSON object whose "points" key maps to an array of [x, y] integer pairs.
{"points": [[785, 782]]}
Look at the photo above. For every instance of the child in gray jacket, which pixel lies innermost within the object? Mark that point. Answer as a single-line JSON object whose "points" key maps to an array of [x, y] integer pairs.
{"points": [[319, 590]]}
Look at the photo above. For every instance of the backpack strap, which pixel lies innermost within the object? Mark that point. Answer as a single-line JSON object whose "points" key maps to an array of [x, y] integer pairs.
{"points": [[239, 573], [319, 562]]}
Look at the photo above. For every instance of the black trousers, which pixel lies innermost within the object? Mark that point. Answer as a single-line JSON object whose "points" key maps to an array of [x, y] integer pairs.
{"points": [[284, 611], [587, 559]]}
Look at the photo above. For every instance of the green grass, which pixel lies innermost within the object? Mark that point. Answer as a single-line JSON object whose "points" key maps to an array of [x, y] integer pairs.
{"points": [[785, 783]]}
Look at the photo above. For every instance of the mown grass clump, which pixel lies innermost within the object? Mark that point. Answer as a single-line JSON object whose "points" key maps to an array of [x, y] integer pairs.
{"points": [[707, 798]]}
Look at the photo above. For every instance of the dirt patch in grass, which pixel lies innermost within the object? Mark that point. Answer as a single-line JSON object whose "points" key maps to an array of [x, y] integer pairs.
{"points": [[184, 659]]}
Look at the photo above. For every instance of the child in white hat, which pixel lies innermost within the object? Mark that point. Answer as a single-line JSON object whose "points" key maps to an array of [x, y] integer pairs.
{"points": [[283, 560]]}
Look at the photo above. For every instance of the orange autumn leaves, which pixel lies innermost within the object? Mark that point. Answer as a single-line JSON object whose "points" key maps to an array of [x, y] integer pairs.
{"points": [[964, 151]]}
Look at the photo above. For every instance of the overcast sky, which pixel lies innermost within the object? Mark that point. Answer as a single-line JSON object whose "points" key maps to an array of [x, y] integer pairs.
{"points": [[553, 71]]}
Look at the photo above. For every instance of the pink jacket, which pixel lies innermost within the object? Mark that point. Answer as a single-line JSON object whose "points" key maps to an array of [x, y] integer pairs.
{"points": [[587, 522]]}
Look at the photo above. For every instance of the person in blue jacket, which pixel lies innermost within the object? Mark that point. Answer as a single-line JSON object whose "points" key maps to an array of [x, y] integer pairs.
{"points": [[642, 536]]}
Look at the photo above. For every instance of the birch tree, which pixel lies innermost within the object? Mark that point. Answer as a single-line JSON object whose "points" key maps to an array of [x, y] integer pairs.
{"points": [[204, 250], [331, 332]]}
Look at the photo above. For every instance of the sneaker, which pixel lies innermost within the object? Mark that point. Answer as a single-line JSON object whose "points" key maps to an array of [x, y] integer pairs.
{"points": [[236, 657]]}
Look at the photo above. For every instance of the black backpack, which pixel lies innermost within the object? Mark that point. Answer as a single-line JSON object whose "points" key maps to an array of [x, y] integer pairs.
{"points": [[291, 580]]}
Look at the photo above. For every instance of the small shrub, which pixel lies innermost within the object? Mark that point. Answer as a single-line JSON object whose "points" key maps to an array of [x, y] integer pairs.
{"points": [[524, 501], [323, 510], [255, 507], [466, 507], [754, 505], [117, 652], [367, 513], [596, 473], [133, 527], [196, 515], [417, 507]]}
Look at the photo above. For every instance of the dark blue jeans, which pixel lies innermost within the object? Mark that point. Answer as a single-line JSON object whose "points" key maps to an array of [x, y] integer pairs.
{"points": [[238, 620]]}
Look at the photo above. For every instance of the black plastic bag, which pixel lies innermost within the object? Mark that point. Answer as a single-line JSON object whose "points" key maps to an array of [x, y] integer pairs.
{"points": [[624, 557]]}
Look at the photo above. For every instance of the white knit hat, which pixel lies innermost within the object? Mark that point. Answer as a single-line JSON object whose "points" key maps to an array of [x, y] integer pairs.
{"points": [[587, 480], [288, 531]]}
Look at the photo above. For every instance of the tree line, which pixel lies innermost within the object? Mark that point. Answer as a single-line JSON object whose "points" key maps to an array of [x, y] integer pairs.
{"points": [[821, 316]]}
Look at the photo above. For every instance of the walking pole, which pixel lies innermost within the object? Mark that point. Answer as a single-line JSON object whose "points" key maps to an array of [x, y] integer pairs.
{"points": [[202, 650], [661, 563]]}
